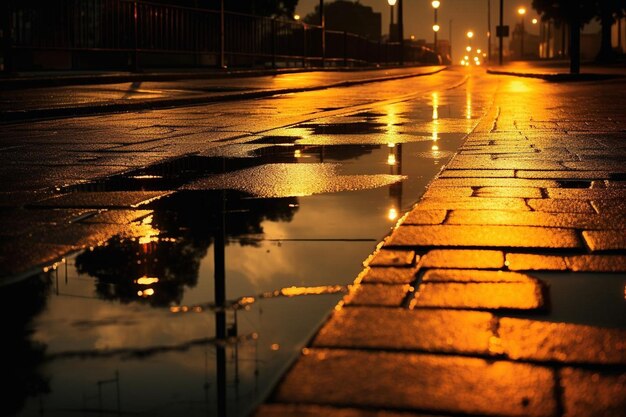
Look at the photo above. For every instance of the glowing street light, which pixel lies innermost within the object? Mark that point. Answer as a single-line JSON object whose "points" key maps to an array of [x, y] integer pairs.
{"points": [[534, 21], [436, 29], [470, 34], [296, 17]]}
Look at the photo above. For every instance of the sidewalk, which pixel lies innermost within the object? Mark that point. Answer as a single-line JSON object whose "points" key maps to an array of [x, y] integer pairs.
{"points": [[468, 307], [559, 71], [118, 92]]}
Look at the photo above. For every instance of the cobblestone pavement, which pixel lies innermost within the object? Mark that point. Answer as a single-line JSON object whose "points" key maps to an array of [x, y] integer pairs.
{"points": [[454, 314]]}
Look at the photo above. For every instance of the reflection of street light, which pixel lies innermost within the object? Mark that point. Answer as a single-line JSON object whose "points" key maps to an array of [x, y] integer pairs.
{"points": [[469, 35], [435, 5], [391, 4], [522, 11]]}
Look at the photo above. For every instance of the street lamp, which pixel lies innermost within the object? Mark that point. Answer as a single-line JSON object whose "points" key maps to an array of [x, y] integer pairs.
{"points": [[522, 11], [436, 28], [391, 4]]}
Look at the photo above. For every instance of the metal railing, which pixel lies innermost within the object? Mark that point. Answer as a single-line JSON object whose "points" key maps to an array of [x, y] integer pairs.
{"points": [[135, 34]]}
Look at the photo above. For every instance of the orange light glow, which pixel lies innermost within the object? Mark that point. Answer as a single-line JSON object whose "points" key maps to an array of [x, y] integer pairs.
{"points": [[147, 280], [436, 28], [392, 214], [391, 159], [146, 293], [521, 11]]}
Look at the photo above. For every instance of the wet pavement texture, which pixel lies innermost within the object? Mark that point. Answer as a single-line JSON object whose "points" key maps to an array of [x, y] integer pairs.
{"points": [[185, 261], [503, 291], [176, 262]]}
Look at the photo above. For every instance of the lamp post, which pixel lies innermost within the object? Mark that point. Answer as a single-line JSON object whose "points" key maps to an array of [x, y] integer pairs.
{"points": [[435, 4], [469, 35], [391, 4], [522, 11]]}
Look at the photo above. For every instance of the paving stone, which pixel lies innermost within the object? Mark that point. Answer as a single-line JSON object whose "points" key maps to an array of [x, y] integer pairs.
{"points": [[477, 173], [596, 165], [425, 382], [16, 222], [107, 199], [562, 342], [536, 218], [596, 263], [451, 258], [484, 236], [519, 192], [587, 193], [117, 216], [477, 162], [447, 192], [532, 262], [610, 208], [603, 240], [494, 182], [417, 216], [616, 184], [80, 236], [485, 296], [377, 295], [297, 410], [21, 256], [378, 275], [473, 203], [432, 330], [561, 205], [574, 175], [392, 258], [592, 393], [474, 275]]}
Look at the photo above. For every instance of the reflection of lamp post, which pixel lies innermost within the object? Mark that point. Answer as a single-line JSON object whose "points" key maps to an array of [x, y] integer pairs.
{"points": [[435, 5], [522, 11]]}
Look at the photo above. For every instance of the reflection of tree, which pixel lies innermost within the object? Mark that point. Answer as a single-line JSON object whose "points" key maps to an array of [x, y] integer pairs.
{"points": [[20, 357], [188, 222]]}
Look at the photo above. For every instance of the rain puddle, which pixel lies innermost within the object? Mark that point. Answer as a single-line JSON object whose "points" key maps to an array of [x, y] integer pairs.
{"points": [[235, 271]]}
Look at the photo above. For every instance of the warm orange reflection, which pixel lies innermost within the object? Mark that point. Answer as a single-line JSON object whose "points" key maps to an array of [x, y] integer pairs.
{"points": [[147, 234], [297, 153], [468, 105], [147, 280], [392, 214], [435, 97], [391, 159], [145, 293]]}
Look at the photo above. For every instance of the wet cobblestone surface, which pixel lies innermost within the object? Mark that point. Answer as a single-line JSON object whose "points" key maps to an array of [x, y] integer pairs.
{"points": [[536, 187]]}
